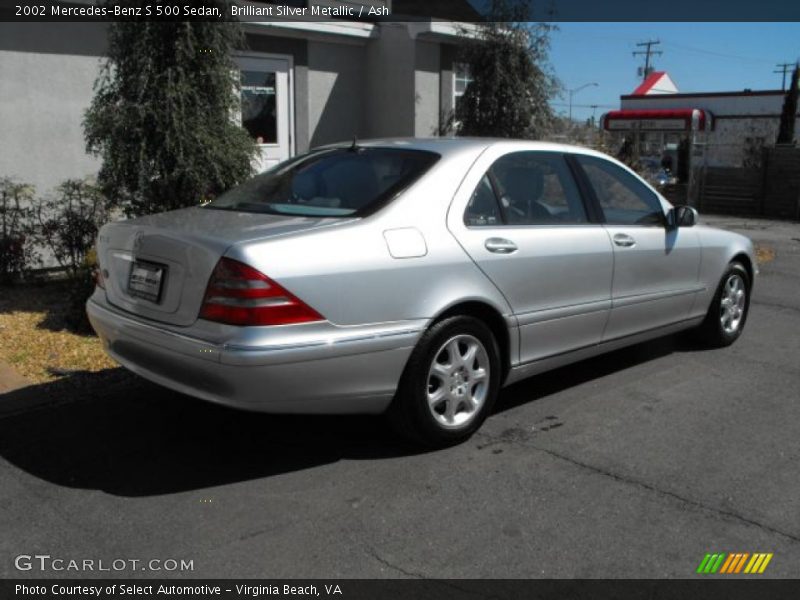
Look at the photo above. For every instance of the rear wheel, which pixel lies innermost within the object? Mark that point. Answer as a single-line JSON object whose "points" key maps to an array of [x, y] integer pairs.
{"points": [[728, 311], [450, 383]]}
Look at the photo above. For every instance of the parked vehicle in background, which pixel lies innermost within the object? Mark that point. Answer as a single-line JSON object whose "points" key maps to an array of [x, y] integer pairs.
{"points": [[413, 277]]}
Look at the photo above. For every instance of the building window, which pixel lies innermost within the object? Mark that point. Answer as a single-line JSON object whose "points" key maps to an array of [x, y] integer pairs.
{"points": [[259, 115], [461, 79]]}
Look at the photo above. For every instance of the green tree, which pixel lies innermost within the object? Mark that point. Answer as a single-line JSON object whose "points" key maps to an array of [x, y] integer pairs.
{"points": [[789, 112], [511, 79], [162, 118]]}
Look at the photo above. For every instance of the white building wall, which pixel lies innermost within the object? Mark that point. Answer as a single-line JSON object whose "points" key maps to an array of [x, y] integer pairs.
{"points": [[744, 104], [733, 139], [743, 123]]}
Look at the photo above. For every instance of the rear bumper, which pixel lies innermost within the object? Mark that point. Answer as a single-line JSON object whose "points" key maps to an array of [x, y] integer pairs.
{"points": [[347, 370]]}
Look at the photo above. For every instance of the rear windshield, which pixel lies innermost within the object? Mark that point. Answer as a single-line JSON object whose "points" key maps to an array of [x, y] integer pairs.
{"points": [[339, 182]]}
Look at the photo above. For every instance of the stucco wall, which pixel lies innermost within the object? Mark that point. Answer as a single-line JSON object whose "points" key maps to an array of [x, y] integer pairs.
{"points": [[447, 59], [426, 82], [336, 90], [43, 96], [390, 82], [387, 86]]}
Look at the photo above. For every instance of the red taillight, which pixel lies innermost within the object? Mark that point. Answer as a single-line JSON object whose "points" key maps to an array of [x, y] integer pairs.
{"points": [[240, 295]]}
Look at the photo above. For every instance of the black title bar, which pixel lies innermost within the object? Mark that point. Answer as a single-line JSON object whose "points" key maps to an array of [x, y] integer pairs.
{"points": [[395, 589], [401, 10]]}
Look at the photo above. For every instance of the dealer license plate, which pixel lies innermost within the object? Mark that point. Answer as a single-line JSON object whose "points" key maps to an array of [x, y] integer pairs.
{"points": [[146, 280]]}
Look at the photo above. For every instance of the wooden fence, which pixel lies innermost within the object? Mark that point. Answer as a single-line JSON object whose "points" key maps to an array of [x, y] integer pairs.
{"points": [[781, 195], [771, 190]]}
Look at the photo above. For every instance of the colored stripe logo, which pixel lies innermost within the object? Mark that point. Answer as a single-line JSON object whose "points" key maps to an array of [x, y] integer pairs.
{"points": [[734, 563]]}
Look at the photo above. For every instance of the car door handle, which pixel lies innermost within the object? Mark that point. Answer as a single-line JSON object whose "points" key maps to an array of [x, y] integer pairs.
{"points": [[500, 245], [624, 240]]}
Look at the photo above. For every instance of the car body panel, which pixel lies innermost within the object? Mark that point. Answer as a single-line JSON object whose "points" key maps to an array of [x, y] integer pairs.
{"points": [[310, 369], [655, 280], [381, 280], [188, 242]]}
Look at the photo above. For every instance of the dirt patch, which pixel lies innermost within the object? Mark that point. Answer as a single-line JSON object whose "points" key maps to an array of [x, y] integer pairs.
{"points": [[764, 254]]}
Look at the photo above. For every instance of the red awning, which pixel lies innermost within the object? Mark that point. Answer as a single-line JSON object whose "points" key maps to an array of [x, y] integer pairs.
{"points": [[677, 119]]}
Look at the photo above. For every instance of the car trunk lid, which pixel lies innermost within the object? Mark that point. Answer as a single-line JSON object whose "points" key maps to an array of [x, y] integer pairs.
{"points": [[158, 266]]}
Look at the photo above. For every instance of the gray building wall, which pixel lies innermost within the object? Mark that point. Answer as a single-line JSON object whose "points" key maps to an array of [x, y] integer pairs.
{"points": [[447, 59], [47, 73], [390, 82], [336, 91], [392, 85], [426, 85]]}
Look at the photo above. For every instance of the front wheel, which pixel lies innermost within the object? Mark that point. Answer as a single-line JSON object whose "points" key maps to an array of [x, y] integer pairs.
{"points": [[728, 311], [450, 383]]}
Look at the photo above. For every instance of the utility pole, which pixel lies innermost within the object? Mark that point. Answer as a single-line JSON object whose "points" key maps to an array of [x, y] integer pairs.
{"points": [[647, 54], [784, 68]]}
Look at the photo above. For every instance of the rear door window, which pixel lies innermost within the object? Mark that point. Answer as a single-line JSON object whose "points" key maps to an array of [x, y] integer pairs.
{"points": [[527, 188], [482, 209]]}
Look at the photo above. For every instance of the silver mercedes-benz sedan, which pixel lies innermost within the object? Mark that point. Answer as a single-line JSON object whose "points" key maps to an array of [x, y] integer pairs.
{"points": [[412, 277]]}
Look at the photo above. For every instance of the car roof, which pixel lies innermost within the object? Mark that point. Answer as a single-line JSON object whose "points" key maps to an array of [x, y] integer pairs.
{"points": [[456, 145]]}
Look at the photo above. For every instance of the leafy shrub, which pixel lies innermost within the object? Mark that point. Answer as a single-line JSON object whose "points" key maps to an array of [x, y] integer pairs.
{"points": [[81, 287], [66, 224], [16, 252]]}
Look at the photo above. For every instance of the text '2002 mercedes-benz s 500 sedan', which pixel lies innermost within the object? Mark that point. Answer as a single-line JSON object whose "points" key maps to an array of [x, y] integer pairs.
{"points": [[413, 277]]}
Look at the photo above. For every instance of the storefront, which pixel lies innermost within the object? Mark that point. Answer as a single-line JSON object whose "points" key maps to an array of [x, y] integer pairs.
{"points": [[692, 131]]}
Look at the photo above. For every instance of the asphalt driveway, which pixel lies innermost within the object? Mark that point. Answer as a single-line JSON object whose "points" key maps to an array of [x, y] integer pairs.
{"points": [[635, 464]]}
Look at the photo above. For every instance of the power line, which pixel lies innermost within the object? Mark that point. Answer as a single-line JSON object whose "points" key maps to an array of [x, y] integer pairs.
{"points": [[647, 54], [565, 104], [784, 68], [716, 54], [670, 46]]}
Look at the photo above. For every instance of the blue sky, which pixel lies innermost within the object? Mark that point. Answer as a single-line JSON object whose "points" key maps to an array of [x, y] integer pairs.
{"points": [[698, 56]]}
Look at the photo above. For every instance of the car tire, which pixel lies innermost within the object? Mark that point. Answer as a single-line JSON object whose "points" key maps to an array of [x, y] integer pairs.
{"points": [[727, 313], [449, 385]]}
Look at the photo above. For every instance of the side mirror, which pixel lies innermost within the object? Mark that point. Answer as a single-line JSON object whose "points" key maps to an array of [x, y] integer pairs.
{"points": [[683, 216]]}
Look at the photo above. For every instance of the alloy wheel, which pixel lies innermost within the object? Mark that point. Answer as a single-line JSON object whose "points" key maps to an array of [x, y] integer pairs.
{"points": [[458, 381], [732, 304]]}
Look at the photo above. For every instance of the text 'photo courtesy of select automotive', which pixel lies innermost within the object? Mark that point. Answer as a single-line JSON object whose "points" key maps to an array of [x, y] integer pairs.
{"points": [[392, 299]]}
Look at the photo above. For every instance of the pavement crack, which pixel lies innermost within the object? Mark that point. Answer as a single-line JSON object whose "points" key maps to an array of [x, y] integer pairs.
{"points": [[776, 305], [452, 585], [651, 488], [374, 554]]}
